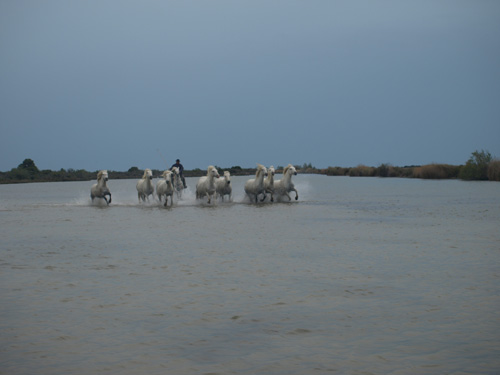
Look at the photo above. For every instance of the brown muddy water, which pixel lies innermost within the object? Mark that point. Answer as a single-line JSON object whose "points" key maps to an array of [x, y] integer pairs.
{"points": [[359, 276]]}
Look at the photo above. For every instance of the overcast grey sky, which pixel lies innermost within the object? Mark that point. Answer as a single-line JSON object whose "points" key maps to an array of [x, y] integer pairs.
{"points": [[111, 84]]}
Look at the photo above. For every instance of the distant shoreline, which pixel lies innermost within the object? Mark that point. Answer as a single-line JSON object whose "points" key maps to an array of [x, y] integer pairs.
{"points": [[430, 171], [480, 166]]}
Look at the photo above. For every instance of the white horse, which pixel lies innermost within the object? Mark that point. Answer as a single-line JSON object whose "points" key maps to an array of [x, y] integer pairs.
{"points": [[269, 182], [223, 186], [177, 182], [255, 186], [164, 187], [285, 185], [145, 186], [100, 190], [206, 184]]}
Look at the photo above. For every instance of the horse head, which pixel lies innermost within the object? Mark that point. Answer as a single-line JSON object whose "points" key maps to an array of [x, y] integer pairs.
{"points": [[289, 169], [261, 170], [148, 174], [102, 175], [227, 177], [167, 175], [212, 171]]}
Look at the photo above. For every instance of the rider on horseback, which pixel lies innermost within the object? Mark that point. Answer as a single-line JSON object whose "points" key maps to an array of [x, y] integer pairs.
{"points": [[181, 169]]}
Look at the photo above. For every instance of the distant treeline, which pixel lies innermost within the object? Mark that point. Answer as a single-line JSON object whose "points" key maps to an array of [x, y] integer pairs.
{"points": [[27, 171], [480, 166]]}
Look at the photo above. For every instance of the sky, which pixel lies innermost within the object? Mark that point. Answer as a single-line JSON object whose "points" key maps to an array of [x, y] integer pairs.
{"points": [[112, 84]]}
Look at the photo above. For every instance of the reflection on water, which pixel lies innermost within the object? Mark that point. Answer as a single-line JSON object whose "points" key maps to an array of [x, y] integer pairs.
{"points": [[361, 275]]}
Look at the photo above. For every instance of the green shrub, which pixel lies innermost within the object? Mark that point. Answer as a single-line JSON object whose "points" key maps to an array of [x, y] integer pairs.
{"points": [[20, 174], [383, 170], [362, 171], [334, 171], [476, 167], [406, 172], [494, 170]]}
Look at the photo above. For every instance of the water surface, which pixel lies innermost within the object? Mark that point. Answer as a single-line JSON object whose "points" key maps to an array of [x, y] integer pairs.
{"points": [[359, 276]]}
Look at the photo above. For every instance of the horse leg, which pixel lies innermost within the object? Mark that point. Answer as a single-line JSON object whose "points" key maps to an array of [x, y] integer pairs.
{"points": [[296, 194]]}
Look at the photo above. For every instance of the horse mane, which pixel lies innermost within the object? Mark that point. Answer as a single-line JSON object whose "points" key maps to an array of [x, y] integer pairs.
{"points": [[146, 172], [260, 169], [286, 169], [100, 174]]}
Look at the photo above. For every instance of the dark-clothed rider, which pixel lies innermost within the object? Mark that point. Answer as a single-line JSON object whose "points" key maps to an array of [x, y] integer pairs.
{"points": [[181, 169]]}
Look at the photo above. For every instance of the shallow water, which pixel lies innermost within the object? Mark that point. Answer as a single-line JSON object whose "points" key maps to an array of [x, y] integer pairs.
{"points": [[359, 276]]}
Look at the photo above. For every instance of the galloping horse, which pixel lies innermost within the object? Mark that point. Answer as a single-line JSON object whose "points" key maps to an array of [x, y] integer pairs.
{"points": [[165, 188], [100, 190], [255, 186], [145, 186], [223, 186], [269, 182], [206, 184], [177, 182], [285, 185]]}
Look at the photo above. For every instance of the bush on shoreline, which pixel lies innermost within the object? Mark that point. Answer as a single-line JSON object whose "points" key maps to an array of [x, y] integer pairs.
{"points": [[436, 171], [494, 170], [476, 167], [480, 166]]}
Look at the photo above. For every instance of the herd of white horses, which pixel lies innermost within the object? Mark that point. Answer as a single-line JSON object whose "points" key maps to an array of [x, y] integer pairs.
{"points": [[212, 186]]}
